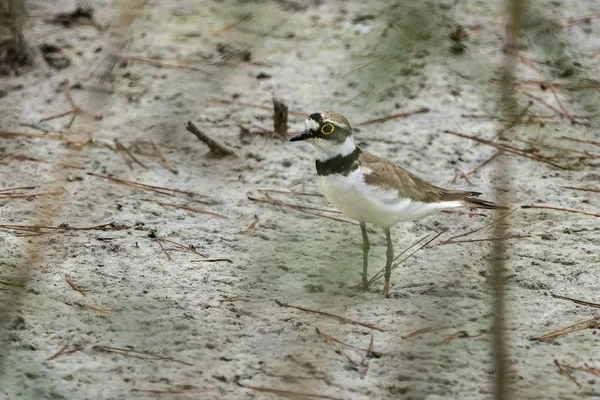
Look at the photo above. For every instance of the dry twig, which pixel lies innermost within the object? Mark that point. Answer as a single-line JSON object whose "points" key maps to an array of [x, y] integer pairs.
{"points": [[563, 369], [197, 210], [287, 393], [152, 188], [450, 240], [56, 138], [162, 159], [591, 323], [393, 116], [29, 195], [62, 352], [422, 331], [338, 317], [365, 361], [302, 209], [562, 209], [23, 157], [507, 149], [550, 106], [329, 340], [155, 62], [449, 338], [181, 246], [124, 150], [163, 248], [580, 302], [111, 226], [582, 189], [75, 107], [74, 286], [594, 143], [137, 354], [217, 149]]}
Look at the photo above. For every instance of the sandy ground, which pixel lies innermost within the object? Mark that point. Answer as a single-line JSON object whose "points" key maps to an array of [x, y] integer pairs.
{"points": [[218, 324]]}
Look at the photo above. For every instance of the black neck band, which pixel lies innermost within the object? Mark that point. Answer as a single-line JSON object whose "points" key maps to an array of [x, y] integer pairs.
{"points": [[339, 164]]}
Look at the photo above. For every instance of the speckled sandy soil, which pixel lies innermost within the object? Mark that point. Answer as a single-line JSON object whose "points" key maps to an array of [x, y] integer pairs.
{"points": [[217, 325]]}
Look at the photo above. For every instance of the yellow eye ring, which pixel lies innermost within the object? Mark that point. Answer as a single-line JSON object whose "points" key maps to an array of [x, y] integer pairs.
{"points": [[327, 129]]}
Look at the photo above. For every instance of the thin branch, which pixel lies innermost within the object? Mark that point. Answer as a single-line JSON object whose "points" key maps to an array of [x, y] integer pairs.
{"points": [[393, 116], [300, 208], [493, 239], [449, 240], [111, 226], [365, 361], [508, 149], [375, 353], [338, 317], [30, 195], [155, 63], [55, 138], [591, 323], [62, 352], [197, 210], [562, 369], [561, 209], [74, 286], [76, 108], [329, 340], [162, 248], [580, 302], [126, 151], [163, 160], [422, 331], [581, 141], [63, 114], [550, 106], [449, 338], [137, 354], [292, 192], [143, 186], [582, 189], [217, 149], [18, 188], [23, 157], [188, 248], [287, 393], [565, 112]]}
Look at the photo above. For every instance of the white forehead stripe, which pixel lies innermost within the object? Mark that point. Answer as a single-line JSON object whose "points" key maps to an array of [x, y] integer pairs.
{"points": [[311, 124]]}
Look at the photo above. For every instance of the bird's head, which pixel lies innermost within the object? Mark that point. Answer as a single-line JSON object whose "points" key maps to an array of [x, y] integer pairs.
{"points": [[329, 132]]}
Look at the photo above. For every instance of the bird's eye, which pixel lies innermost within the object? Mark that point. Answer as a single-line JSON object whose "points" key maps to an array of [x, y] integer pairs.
{"points": [[327, 129]]}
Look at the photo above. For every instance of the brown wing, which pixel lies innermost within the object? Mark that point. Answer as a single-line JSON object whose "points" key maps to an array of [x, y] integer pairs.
{"points": [[388, 176]]}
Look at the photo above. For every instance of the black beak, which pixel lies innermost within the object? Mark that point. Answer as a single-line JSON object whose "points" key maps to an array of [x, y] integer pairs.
{"points": [[302, 136]]}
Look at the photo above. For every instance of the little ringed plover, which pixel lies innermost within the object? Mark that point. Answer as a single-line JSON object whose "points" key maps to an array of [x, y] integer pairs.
{"points": [[373, 190]]}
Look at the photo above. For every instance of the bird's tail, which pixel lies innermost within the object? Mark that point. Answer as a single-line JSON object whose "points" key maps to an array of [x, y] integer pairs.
{"points": [[474, 202]]}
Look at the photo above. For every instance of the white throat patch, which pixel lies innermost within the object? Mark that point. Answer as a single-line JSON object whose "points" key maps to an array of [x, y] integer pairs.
{"points": [[327, 149]]}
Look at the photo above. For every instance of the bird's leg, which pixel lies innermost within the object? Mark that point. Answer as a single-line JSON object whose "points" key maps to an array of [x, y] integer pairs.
{"points": [[388, 262], [366, 247]]}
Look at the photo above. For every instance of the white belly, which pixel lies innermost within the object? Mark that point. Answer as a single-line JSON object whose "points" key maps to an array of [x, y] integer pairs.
{"points": [[357, 200]]}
